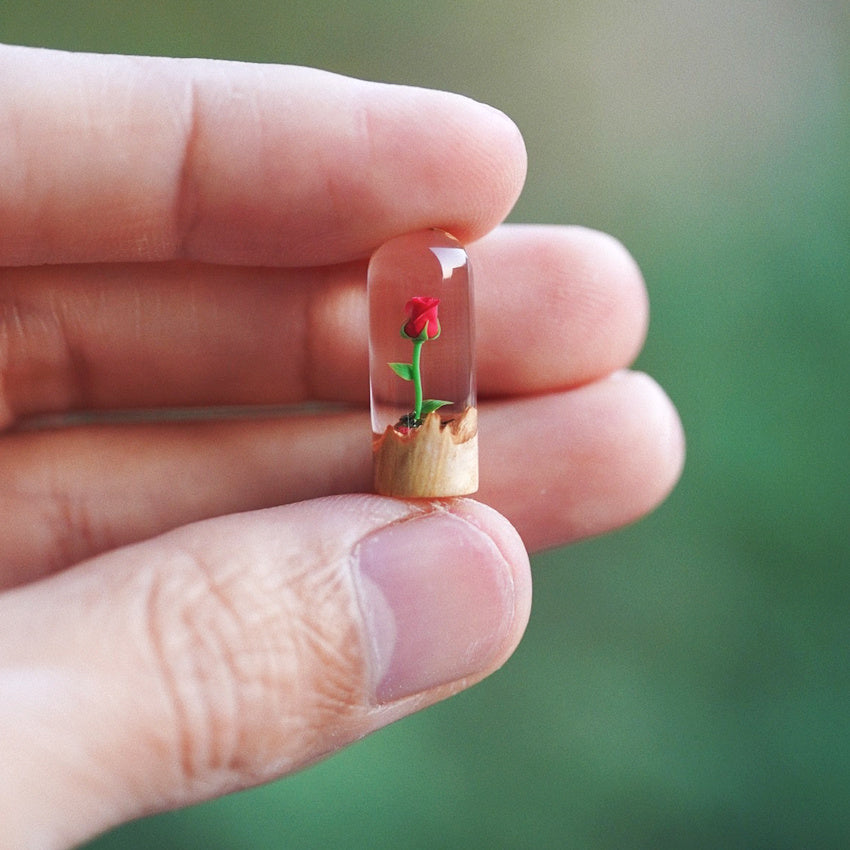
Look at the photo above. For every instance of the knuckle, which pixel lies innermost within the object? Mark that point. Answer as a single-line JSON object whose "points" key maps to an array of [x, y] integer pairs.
{"points": [[258, 671]]}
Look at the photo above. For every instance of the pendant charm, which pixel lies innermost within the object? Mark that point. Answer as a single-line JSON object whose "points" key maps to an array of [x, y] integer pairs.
{"points": [[422, 367]]}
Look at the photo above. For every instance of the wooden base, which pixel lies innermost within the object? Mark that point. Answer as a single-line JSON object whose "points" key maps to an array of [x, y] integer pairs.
{"points": [[429, 462]]}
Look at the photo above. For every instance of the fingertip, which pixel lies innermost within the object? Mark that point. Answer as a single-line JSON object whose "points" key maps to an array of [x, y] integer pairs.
{"points": [[444, 597], [669, 448], [600, 285], [593, 459], [559, 307], [502, 165], [512, 549], [484, 153], [615, 263]]}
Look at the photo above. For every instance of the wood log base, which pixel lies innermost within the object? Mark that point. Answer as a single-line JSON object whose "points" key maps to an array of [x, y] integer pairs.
{"points": [[436, 460]]}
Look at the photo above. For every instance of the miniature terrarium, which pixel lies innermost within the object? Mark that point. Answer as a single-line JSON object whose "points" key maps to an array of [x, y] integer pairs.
{"points": [[422, 368]]}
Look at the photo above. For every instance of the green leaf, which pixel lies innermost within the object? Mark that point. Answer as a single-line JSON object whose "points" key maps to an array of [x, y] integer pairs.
{"points": [[432, 404], [403, 370]]}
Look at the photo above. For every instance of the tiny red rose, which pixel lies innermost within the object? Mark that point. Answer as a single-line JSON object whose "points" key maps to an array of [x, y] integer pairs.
{"points": [[422, 315]]}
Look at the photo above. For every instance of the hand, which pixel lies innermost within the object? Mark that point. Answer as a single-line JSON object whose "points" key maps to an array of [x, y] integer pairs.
{"points": [[192, 234]]}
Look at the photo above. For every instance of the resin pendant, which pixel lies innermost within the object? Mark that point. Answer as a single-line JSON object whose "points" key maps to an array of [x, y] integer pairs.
{"points": [[422, 368]]}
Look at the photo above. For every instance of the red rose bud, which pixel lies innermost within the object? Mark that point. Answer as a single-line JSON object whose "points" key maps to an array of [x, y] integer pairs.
{"points": [[422, 312]]}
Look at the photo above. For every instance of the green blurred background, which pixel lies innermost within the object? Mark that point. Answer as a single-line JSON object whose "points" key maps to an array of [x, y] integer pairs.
{"points": [[684, 683]]}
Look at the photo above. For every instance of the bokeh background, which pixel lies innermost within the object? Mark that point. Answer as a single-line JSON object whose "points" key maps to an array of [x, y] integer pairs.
{"points": [[684, 683]]}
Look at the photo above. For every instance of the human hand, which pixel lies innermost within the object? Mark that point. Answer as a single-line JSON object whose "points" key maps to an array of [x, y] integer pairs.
{"points": [[192, 234]]}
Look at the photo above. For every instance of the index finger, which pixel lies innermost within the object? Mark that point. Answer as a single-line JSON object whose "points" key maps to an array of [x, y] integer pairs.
{"points": [[115, 158]]}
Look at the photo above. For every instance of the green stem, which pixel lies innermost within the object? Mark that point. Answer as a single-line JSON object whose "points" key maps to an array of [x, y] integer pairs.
{"points": [[417, 379]]}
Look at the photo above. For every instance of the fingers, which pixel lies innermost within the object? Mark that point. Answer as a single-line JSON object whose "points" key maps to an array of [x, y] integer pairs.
{"points": [[76, 492], [178, 334], [240, 649], [560, 467], [555, 307], [110, 158], [568, 466]]}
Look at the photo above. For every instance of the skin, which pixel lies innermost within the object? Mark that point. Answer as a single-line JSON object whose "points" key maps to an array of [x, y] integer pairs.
{"points": [[195, 605]]}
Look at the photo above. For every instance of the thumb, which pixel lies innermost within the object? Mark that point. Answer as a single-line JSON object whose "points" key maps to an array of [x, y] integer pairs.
{"points": [[239, 649]]}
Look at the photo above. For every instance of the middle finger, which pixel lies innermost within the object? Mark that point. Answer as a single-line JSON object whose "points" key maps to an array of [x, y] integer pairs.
{"points": [[556, 307]]}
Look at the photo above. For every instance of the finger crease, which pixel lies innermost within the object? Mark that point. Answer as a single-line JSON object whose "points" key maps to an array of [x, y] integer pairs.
{"points": [[40, 369], [186, 196]]}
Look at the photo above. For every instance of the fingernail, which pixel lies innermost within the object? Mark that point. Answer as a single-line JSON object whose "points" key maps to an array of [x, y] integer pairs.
{"points": [[438, 601]]}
